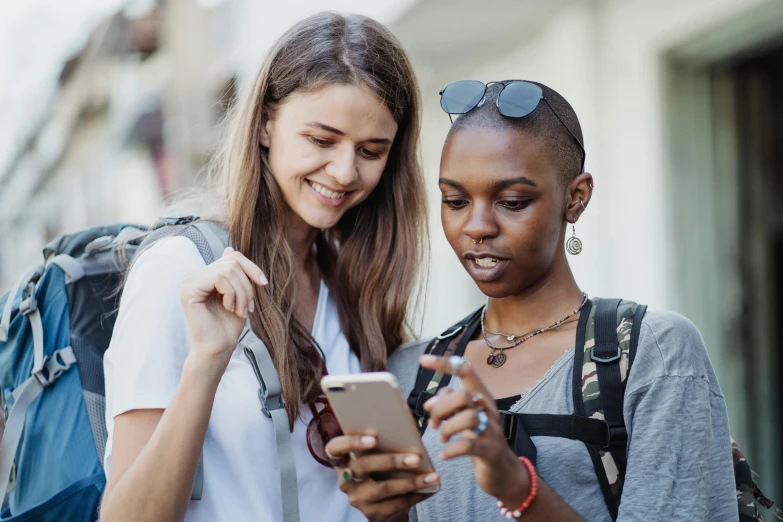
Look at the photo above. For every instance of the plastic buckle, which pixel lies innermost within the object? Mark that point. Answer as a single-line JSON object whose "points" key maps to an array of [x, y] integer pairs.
{"points": [[29, 303], [604, 360], [277, 403], [452, 333], [54, 368], [177, 220], [614, 434]]}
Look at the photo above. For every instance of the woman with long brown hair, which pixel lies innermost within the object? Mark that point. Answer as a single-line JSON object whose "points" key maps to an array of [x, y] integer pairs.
{"points": [[324, 202]]}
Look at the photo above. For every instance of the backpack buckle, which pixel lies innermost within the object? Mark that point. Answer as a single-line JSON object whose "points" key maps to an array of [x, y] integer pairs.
{"points": [[269, 404], [615, 436], [451, 333], [609, 358], [29, 303], [54, 366], [174, 220]]}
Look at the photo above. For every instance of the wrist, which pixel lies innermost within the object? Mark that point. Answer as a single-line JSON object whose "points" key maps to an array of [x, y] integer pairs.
{"points": [[509, 510], [208, 367], [516, 490]]}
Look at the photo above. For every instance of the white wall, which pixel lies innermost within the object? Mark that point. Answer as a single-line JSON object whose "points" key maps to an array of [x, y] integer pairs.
{"points": [[607, 59]]}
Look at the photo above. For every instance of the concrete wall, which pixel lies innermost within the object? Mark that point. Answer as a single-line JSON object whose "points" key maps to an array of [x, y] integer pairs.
{"points": [[607, 59]]}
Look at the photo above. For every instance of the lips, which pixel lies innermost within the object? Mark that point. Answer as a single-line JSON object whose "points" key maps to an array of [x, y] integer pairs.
{"points": [[485, 266], [325, 192]]}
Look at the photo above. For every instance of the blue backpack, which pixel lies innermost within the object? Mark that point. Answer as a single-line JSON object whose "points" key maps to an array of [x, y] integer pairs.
{"points": [[55, 326]]}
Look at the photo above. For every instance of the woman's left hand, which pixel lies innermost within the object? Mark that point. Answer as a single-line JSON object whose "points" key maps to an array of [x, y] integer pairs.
{"points": [[498, 470]]}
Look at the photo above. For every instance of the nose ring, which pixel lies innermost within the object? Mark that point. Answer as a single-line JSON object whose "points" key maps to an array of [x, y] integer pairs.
{"points": [[479, 241]]}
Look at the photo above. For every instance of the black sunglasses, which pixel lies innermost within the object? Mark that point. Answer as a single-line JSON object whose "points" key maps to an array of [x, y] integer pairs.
{"points": [[516, 99]]}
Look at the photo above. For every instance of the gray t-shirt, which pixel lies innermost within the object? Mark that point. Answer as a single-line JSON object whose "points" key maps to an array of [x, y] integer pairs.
{"points": [[679, 449]]}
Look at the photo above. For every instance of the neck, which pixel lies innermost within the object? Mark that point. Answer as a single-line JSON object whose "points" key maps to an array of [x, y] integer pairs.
{"points": [[548, 300], [300, 237]]}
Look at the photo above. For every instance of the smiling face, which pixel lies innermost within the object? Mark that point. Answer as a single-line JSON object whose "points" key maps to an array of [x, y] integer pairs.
{"points": [[328, 150], [500, 187]]}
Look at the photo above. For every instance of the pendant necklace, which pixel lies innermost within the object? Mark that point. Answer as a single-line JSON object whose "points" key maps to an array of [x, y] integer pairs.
{"points": [[497, 358]]}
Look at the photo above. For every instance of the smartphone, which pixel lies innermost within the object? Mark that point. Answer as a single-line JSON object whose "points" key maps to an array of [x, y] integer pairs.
{"points": [[372, 403]]}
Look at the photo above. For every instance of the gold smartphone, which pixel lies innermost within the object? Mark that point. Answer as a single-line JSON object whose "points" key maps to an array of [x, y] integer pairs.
{"points": [[372, 403]]}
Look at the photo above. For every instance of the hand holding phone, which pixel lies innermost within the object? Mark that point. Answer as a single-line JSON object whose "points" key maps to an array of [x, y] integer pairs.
{"points": [[373, 404]]}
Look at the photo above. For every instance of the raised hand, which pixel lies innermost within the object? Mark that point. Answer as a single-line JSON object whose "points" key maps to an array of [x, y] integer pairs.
{"points": [[217, 300], [498, 471]]}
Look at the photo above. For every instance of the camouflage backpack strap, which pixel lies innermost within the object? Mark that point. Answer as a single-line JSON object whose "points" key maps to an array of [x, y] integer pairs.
{"points": [[607, 336], [452, 341]]}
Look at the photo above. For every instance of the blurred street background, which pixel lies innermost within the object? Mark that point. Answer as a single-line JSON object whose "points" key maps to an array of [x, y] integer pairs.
{"points": [[109, 106]]}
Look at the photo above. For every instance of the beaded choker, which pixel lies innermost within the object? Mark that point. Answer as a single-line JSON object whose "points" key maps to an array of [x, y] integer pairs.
{"points": [[497, 358]]}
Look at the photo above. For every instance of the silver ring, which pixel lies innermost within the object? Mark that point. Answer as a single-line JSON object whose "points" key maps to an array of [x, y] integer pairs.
{"points": [[483, 422], [583, 205], [457, 363]]}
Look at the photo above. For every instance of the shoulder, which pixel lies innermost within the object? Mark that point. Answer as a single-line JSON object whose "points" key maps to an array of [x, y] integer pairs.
{"points": [[404, 363], [669, 346], [169, 257]]}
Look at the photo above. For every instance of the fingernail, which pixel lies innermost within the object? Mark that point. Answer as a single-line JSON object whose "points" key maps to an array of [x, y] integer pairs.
{"points": [[252, 306], [411, 460], [368, 441], [262, 279], [429, 403], [428, 359], [432, 478], [441, 455], [244, 313]]}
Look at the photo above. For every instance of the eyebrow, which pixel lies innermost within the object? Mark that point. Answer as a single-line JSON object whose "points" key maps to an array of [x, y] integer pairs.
{"points": [[497, 185], [327, 128]]}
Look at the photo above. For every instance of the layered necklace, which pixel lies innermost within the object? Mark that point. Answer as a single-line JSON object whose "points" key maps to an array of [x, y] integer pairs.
{"points": [[497, 358]]}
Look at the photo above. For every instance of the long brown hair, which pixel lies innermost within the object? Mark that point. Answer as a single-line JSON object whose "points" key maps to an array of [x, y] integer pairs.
{"points": [[370, 259]]}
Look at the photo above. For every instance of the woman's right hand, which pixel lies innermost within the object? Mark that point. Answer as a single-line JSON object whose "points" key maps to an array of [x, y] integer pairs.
{"points": [[217, 300], [379, 500]]}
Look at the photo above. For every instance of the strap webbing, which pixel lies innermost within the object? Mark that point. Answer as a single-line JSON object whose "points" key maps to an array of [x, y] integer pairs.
{"points": [[216, 236], [591, 431], [270, 394], [198, 483], [24, 396], [72, 268], [452, 342], [606, 355], [5, 319], [38, 340], [217, 239]]}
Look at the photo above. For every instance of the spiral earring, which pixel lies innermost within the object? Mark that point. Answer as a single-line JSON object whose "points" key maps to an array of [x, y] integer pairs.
{"points": [[574, 244]]}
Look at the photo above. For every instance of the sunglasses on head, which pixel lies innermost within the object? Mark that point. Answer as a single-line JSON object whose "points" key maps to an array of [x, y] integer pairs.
{"points": [[516, 99]]}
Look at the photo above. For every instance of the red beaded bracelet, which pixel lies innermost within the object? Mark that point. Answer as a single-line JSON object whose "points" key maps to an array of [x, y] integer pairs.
{"points": [[531, 470]]}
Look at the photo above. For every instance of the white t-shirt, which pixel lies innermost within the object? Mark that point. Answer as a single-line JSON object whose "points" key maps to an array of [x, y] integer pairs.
{"points": [[143, 366]]}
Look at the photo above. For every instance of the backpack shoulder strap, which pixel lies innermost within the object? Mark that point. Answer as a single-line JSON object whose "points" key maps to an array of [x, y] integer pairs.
{"points": [[428, 382], [270, 394], [607, 337]]}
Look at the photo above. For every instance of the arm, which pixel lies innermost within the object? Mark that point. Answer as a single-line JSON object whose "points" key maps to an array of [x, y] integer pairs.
{"points": [[156, 452], [498, 471]]}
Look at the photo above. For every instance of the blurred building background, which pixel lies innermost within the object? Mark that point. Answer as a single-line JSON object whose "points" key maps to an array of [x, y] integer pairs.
{"points": [[683, 130]]}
